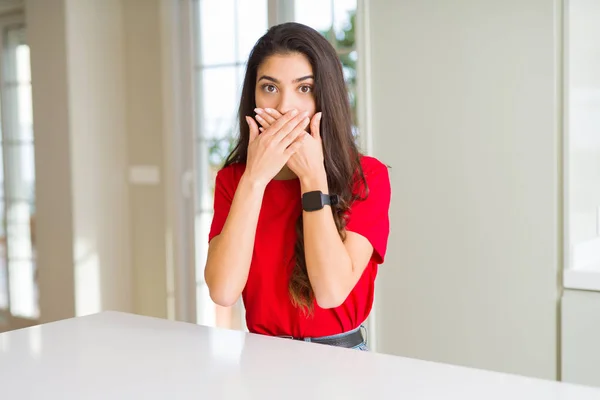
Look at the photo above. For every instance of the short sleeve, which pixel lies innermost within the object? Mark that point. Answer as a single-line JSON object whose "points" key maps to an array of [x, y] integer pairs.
{"points": [[370, 217], [224, 192]]}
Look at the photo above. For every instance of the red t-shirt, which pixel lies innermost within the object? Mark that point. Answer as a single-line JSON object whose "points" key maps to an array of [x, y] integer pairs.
{"points": [[268, 306]]}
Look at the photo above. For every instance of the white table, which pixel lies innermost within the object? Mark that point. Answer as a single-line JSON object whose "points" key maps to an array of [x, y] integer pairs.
{"points": [[121, 356]]}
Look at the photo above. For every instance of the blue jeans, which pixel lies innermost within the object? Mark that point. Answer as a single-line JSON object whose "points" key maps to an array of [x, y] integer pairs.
{"points": [[362, 346]]}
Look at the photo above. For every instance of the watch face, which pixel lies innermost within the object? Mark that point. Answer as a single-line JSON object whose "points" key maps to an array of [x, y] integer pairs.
{"points": [[312, 201]]}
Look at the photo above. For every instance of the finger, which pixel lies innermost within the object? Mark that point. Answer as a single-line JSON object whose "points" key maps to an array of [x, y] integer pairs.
{"points": [[268, 116], [289, 126], [273, 113], [294, 134], [287, 117], [262, 121], [315, 125], [253, 129], [261, 129], [294, 147]]}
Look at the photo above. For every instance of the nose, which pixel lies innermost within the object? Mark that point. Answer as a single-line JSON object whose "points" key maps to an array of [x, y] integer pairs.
{"points": [[286, 103]]}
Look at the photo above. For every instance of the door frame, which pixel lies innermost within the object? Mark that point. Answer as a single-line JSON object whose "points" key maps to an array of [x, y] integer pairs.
{"points": [[178, 125]]}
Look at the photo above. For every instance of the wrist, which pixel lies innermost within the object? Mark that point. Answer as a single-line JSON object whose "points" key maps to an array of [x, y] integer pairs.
{"points": [[252, 184], [316, 181]]}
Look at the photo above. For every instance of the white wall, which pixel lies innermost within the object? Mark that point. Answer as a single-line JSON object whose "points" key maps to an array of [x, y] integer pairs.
{"points": [[464, 111], [581, 337], [81, 187], [97, 77], [144, 102], [95, 59], [46, 33]]}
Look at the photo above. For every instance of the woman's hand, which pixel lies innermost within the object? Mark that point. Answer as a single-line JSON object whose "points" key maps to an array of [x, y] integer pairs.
{"points": [[269, 151], [307, 162]]}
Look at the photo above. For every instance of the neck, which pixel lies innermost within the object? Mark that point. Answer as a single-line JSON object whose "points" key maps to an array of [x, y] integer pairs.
{"points": [[285, 174]]}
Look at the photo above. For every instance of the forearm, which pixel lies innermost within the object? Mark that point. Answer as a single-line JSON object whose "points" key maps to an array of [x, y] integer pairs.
{"points": [[230, 253], [328, 263]]}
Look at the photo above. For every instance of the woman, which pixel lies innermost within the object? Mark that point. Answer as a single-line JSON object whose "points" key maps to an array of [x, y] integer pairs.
{"points": [[300, 216]]}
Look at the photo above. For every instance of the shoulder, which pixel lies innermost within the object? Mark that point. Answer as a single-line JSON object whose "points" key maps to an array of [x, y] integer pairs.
{"points": [[368, 214], [371, 165], [228, 178], [231, 174], [375, 175]]}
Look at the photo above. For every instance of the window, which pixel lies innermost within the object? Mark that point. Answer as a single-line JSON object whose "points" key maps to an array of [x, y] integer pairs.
{"points": [[225, 32], [582, 145], [336, 20], [18, 288]]}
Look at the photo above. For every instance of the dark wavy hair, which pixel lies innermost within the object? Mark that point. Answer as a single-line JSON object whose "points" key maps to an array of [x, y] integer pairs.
{"points": [[342, 157]]}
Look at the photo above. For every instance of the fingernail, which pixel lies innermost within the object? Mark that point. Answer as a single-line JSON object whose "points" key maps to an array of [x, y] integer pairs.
{"points": [[257, 110], [320, 115], [294, 112], [247, 120]]}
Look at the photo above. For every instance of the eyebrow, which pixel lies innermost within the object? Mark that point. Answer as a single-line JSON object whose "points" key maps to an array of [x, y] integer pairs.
{"points": [[270, 78]]}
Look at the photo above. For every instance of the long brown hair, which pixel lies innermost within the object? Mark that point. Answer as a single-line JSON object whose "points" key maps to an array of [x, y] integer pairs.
{"points": [[342, 157]]}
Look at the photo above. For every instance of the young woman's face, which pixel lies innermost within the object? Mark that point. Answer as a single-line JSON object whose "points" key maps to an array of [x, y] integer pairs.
{"points": [[285, 82]]}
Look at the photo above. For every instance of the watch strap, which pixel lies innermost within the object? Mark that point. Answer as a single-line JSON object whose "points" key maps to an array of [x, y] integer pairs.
{"points": [[316, 200]]}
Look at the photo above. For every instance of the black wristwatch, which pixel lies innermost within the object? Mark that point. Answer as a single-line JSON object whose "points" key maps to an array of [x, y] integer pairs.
{"points": [[316, 200]]}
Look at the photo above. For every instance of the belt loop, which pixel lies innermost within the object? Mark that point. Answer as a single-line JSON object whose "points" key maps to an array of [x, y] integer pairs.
{"points": [[366, 336]]}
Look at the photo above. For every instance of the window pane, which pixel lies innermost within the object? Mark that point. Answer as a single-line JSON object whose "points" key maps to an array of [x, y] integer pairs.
{"points": [[23, 65], [20, 172], [305, 12], [25, 114], [252, 24], [24, 103], [18, 180], [3, 266], [241, 72], [18, 112], [17, 88], [220, 98], [217, 32], [226, 32], [2, 182], [336, 20], [583, 130], [343, 26], [19, 226], [21, 266]]}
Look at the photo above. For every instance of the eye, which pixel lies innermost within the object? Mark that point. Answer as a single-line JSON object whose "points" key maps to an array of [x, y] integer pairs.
{"points": [[269, 88], [305, 89]]}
